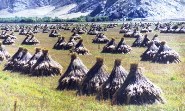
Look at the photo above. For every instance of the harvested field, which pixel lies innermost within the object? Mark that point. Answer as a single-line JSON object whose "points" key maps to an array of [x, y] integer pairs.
{"points": [[40, 94]]}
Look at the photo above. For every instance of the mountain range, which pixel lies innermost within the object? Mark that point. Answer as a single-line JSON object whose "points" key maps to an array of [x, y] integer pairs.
{"points": [[154, 9]]}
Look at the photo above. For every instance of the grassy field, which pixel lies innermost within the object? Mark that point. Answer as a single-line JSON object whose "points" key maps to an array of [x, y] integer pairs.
{"points": [[40, 94]]}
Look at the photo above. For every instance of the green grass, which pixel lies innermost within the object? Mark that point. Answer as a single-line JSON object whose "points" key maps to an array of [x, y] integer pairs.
{"points": [[40, 94]]}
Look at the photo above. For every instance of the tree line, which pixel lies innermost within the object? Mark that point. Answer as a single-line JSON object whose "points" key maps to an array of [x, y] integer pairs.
{"points": [[56, 19]]}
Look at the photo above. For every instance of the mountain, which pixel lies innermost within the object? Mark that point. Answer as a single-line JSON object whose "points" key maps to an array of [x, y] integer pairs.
{"points": [[158, 9], [41, 8]]}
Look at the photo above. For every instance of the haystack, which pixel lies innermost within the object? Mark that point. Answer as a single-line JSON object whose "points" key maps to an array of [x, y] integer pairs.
{"points": [[29, 31], [93, 31], [81, 31], [76, 36], [114, 82], [136, 33], [110, 46], [3, 35], [74, 74], [156, 40], [150, 53], [27, 67], [124, 30], [16, 57], [100, 38], [129, 33], [122, 47], [8, 41], [30, 40], [138, 41], [16, 29], [71, 43], [95, 77], [166, 55], [12, 36], [4, 55], [22, 31], [54, 33], [18, 65], [80, 49], [137, 90], [46, 66], [61, 43], [35, 29], [145, 41], [45, 29]]}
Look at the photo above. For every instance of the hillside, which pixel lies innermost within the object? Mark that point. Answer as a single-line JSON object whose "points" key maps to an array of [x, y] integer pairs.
{"points": [[152, 9]]}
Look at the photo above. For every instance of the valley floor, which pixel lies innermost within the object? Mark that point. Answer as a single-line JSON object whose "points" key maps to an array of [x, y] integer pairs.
{"points": [[40, 94]]}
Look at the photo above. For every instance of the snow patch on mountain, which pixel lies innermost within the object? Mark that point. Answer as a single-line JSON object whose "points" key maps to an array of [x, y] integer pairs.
{"points": [[62, 10], [46, 11], [39, 12]]}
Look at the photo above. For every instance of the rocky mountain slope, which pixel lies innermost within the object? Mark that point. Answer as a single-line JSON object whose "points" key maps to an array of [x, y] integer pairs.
{"points": [[145, 8], [159, 9]]}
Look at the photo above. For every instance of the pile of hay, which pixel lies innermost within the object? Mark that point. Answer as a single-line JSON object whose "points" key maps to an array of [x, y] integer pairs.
{"points": [[61, 43], [9, 40], [70, 44], [27, 67], [122, 47], [95, 77], [137, 90], [3, 35], [45, 29], [30, 40], [80, 49], [150, 53], [146, 29], [74, 74], [35, 29], [54, 33], [76, 36], [16, 57], [110, 46], [114, 82], [46, 66], [156, 40], [93, 31], [100, 38], [4, 55], [135, 33], [166, 55], [18, 65], [11, 35], [138, 42], [145, 41], [22, 31]]}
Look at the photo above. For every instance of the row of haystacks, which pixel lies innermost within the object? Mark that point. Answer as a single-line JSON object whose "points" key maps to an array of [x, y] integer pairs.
{"points": [[9, 39], [162, 54], [113, 47], [144, 41], [30, 40], [40, 64], [73, 45], [157, 51], [120, 86]]}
